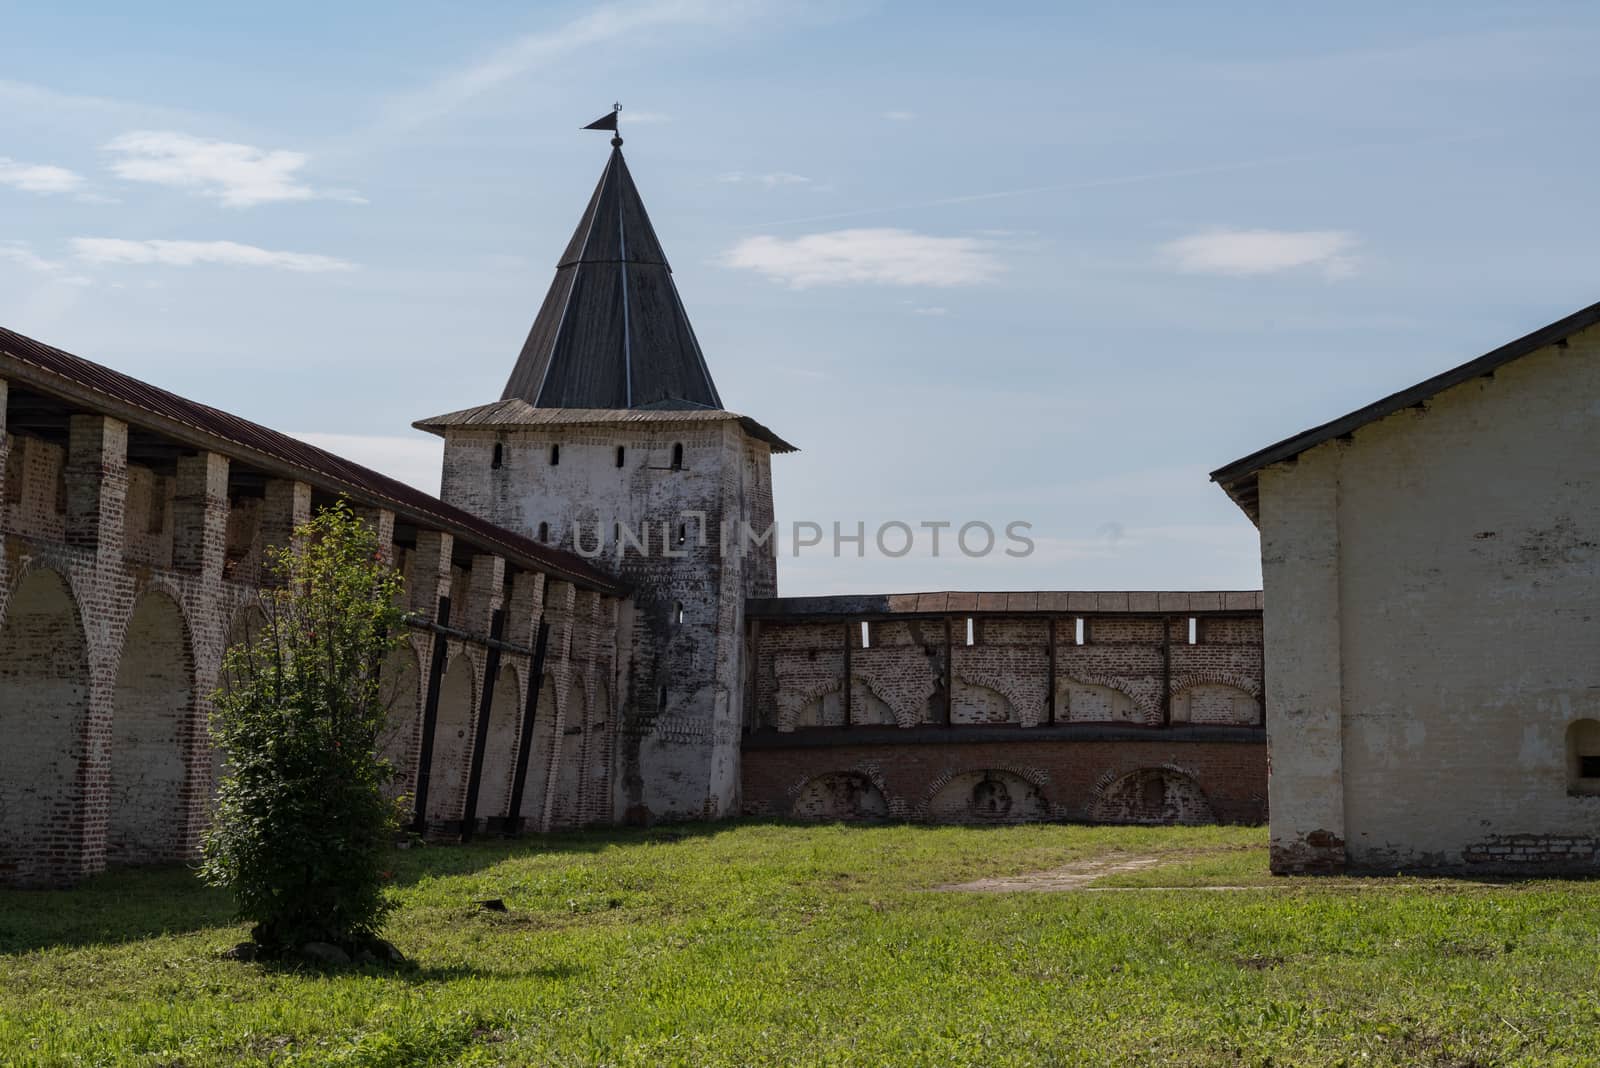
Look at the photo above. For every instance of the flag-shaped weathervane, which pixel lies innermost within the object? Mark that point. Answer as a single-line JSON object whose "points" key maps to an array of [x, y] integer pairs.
{"points": [[608, 121]]}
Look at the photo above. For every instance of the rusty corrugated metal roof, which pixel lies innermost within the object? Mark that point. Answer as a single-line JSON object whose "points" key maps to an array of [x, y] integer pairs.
{"points": [[509, 414], [612, 332], [99, 388]]}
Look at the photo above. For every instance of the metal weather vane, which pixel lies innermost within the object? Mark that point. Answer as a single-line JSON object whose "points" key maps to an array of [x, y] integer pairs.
{"points": [[609, 122]]}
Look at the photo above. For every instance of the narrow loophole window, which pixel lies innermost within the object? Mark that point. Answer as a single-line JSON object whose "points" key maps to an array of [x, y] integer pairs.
{"points": [[972, 638], [1194, 631], [866, 635], [661, 702], [555, 455], [677, 613], [544, 531], [1081, 631], [683, 534], [622, 454], [677, 457], [499, 456]]}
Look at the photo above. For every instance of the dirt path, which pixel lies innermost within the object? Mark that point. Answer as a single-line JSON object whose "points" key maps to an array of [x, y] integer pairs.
{"points": [[1074, 876]]}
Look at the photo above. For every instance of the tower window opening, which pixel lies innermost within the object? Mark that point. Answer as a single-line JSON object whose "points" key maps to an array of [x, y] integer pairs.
{"points": [[1194, 631], [971, 632], [866, 635], [621, 455], [616, 533], [544, 531], [499, 456], [1583, 757], [677, 613], [683, 534], [661, 702], [677, 457], [555, 455], [1081, 631]]}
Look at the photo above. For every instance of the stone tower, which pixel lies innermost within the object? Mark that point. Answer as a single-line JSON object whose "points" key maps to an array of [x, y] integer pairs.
{"points": [[611, 440]]}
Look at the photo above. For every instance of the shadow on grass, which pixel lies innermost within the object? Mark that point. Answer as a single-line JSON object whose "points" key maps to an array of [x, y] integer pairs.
{"points": [[134, 904]]}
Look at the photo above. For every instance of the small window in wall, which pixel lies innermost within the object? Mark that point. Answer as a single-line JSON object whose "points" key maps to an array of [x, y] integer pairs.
{"points": [[616, 533], [544, 531], [683, 534], [677, 457], [499, 456], [1081, 631], [661, 702], [866, 635], [971, 632], [622, 454], [1194, 631], [677, 613], [1583, 757], [555, 455]]}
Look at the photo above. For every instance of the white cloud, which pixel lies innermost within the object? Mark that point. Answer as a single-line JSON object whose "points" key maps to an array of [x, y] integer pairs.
{"points": [[877, 256], [899, 116], [239, 176], [769, 180], [104, 250], [1249, 252], [416, 461], [644, 118], [19, 253], [38, 177]]}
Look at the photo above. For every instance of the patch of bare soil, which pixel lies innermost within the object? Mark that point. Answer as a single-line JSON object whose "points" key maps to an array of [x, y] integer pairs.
{"points": [[1073, 876]]}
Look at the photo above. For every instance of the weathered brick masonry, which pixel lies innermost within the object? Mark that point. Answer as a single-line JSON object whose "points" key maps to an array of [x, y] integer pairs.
{"points": [[964, 707], [131, 535]]}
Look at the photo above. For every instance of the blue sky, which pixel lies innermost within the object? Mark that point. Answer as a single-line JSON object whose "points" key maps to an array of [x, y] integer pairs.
{"points": [[1023, 262]]}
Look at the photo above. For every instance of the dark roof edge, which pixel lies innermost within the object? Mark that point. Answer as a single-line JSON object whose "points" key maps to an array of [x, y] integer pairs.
{"points": [[368, 487], [1406, 398]]}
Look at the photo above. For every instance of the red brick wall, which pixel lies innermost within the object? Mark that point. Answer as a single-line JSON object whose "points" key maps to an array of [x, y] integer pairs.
{"points": [[1088, 774]]}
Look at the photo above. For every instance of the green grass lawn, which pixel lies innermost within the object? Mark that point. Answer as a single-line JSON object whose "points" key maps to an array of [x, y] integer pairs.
{"points": [[771, 944]]}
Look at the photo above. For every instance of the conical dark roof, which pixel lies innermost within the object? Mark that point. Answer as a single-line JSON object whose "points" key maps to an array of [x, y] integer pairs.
{"points": [[612, 332]]}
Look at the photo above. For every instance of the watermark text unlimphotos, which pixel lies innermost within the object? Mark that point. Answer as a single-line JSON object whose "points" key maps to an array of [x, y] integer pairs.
{"points": [[690, 532]]}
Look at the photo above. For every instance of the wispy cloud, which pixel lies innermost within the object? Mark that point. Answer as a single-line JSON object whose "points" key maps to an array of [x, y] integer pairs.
{"points": [[38, 177], [1148, 176], [1252, 252], [899, 116], [584, 34], [22, 255], [238, 175], [877, 256], [115, 250], [769, 180]]}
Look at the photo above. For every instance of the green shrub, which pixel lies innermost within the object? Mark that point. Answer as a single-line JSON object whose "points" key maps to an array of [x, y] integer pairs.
{"points": [[302, 825]]}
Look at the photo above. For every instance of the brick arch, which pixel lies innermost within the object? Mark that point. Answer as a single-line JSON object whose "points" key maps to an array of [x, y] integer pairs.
{"points": [[1034, 776], [400, 688], [872, 772], [1182, 800], [44, 710], [1001, 684], [792, 700], [452, 741], [500, 745], [1239, 681], [849, 795], [910, 708], [153, 731], [1146, 701]]}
